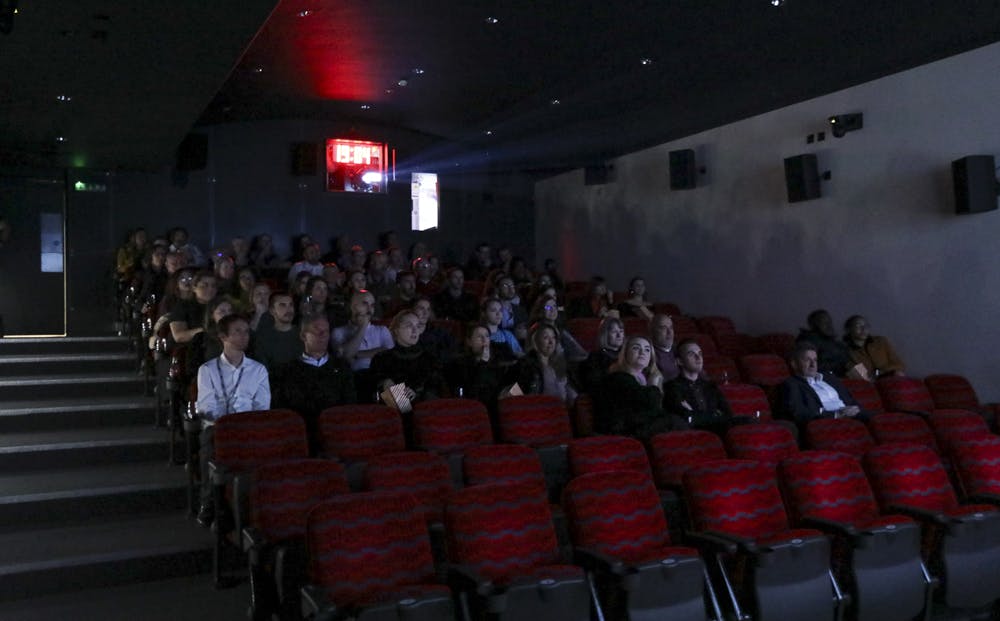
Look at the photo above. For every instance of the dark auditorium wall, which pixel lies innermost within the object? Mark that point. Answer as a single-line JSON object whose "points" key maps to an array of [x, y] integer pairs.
{"points": [[883, 241]]}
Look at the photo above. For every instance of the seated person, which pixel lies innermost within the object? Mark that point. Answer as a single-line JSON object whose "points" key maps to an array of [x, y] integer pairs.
{"points": [[359, 340], [187, 317], [278, 343], [543, 369], [629, 402], [492, 316], [611, 337], [636, 305], [598, 302], [228, 384], [546, 310], [315, 380], [207, 345], [691, 396], [452, 302], [408, 362], [833, 356], [480, 371], [809, 394], [309, 264], [405, 294], [434, 339], [875, 353], [661, 332]]}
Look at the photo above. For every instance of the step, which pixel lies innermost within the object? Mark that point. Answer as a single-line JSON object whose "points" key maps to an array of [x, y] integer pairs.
{"points": [[53, 414], [48, 450], [62, 344], [90, 494], [76, 385], [114, 552], [56, 364], [189, 597]]}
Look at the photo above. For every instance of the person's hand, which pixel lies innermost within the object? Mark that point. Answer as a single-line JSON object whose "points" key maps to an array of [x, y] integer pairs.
{"points": [[654, 377], [849, 412], [485, 356], [410, 393], [686, 406]]}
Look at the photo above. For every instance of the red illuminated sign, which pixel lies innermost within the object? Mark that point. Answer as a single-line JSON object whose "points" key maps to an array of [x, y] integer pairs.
{"points": [[355, 165]]}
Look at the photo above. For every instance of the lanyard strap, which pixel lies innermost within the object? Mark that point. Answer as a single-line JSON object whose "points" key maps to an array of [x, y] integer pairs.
{"points": [[229, 398]]}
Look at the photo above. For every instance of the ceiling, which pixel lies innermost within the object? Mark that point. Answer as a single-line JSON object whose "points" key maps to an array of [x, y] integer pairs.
{"points": [[538, 85]]}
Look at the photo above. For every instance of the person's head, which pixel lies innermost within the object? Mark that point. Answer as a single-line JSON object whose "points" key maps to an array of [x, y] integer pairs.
{"points": [[820, 321], [311, 253], [205, 287], [378, 261], [263, 242], [174, 262], [637, 286], [456, 280], [505, 255], [544, 281], [661, 330], [422, 308], [551, 266], [406, 329], [239, 246], [598, 286], [216, 310], [492, 312], [315, 335], [484, 255], [225, 269], [260, 295], [179, 237], [803, 359], [406, 283], [362, 305], [234, 332], [689, 357], [477, 339], [396, 258], [316, 290], [282, 308], [333, 276], [519, 268], [423, 269], [158, 257], [357, 281], [856, 328], [506, 289], [545, 309], [247, 279], [544, 339], [357, 256], [185, 283], [611, 333], [636, 354], [138, 238]]}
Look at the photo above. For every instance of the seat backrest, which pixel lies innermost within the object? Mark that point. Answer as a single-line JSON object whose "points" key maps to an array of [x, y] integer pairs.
{"points": [[733, 344], [977, 465], [585, 330], [500, 530], [368, 543], [617, 513], [777, 343], [828, 485], [683, 326], [534, 420], [452, 327], [446, 426], [721, 369], [705, 341], [865, 393], [360, 431], [951, 392], [583, 415], [746, 399], [714, 325], [891, 427], [245, 440], [602, 453], [845, 435], [503, 463], [283, 492], [909, 474], [635, 326], [904, 394], [424, 475], [676, 451], [735, 496], [767, 443], [666, 308], [764, 369], [955, 427]]}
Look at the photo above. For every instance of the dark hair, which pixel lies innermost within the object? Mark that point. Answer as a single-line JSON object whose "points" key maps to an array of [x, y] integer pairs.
{"points": [[275, 295], [403, 274], [229, 320], [850, 321], [679, 348], [814, 316], [801, 346]]}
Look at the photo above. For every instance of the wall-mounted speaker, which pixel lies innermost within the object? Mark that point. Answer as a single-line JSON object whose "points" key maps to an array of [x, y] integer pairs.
{"points": [[305, 159], [598, 174], [802, 178], [683, 172], [975, 184], [192, 154]]}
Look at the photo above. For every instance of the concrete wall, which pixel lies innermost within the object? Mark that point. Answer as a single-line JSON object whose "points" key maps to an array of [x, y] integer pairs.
{"points": [[883, 241]]}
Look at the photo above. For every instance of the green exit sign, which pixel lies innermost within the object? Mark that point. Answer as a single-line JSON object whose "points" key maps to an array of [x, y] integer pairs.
{"points": [[80, 186]]}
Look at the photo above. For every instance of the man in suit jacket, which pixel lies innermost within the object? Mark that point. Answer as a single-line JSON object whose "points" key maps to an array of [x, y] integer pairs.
{"points": [[809, 394]]}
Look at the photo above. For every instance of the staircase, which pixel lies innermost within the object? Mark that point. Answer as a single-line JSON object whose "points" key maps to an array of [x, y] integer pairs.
{"points": [[92, 515]]}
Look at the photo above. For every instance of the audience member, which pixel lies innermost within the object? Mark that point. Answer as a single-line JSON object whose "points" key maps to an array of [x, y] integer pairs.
{"points": [[206, 344], [452, 302], [406, 292], [546, 311], [310, 263], [378, 281], [262, 252], [239, 250], [661, 331], [481, 371], [809, 394], [359, 340], [833, 356], [691, 396], [434, 339], [875, 353], [543, 370], [260, 299], [636, 304], [480, 263], [492, 316], [277, 343], [179, 243], [246, 279], [408, 362], [188, 315], [630, 400], [225, 277], [128, 261], [596, 304], [611, 337]]}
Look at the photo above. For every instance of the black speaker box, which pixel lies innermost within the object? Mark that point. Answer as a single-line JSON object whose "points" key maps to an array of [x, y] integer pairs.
{"points": [[598, 174], [683, 175], [192, 154], [305, 157], [802, 178], [975, 184]]}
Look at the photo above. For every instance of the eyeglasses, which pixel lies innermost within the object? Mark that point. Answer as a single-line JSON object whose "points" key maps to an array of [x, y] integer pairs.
{"points": [[549, 307], [186, 279]]}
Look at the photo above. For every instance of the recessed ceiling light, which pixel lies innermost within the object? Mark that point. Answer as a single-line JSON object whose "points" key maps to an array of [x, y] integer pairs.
{"points": [[488, 132], [646, 61], [403, 82], [492, 20], [777, 2], [305, 13], [555, 102], [258, 70], [64, 98], [60, 139], [418, 71], [388, 91], [366, 106]]}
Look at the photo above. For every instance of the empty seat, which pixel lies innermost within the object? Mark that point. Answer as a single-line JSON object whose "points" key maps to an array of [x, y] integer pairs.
{"points": [[865, 393], [721, 369], [904, 394], [901, 427], [447, 426], [961, 543], [635, 326], [603, 453], [705, 341], [954, 392], [733, 344], [534, 420], [765, 370], [977, 466], [777, 343], [506, 559], [767, 443], [953, 428], [425, 476], [666, 308], [876, 557], [714, 325], [676, 451], [845, 435], [583, 416], [746, 400], [370, 558], [357, 432], [771, 572], [683, 326], [585, 330], [621, 537]]}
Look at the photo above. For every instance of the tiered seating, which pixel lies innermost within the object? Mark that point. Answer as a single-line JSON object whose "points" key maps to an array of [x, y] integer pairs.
{"points": [[905, 394], [356, 433], [675, 452], [954, 392], [865, 393], [893, 427], [541, 422], [767, 443], [448, 427], [953, 428], [425, 476], [776, 343], [604, 453], [586, 331], [684, 327], [715, 325], [845, 435], [977, 465], [746, 400], [705, 341], [721, 369], [764, 370], [733, 344]]}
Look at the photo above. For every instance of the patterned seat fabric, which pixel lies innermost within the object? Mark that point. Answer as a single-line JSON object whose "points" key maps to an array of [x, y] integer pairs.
{"points": [[777, 343], [952, 428], [354, 433], [446, 426], [977, 464], [951, 392], [746, 399], [721, 369], [504, 532], [904, 394], [733, 344], [583, 415], [865, 393], [767, 443], [845, 435], [674, 452], [247, 439], [603, 453], [586, 331], [370, 547], [766, 370], [618, 513], [716, 325], [705, 341], [423, 475], [534, 420], [284, 492], [504, 463], [684, 326], [899, 427]]}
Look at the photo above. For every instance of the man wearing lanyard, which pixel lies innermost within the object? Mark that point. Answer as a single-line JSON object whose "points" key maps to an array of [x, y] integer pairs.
{"points": [[227, 384]]}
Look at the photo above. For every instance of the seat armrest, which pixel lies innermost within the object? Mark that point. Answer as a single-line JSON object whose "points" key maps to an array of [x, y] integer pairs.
{"points": [[218, 473], [594, 560], [465, 578], [315, 605], [795, 543], [713, 542], [842, 529], [986, 499], [924, 516], [253, 542]]}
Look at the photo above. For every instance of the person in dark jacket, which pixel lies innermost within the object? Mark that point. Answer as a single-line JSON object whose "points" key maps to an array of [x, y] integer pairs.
{"points": [[809, 395]]}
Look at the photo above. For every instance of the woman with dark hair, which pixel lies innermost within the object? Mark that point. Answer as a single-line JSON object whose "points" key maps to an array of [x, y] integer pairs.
{"points": [[262, 252], [206, 344], [596, 304], [543, 369], [479, 372], [592, 371], [225, 277], [128, 260], [630, 400], [636, 304], [316, 298], [246, 280], [408, 362], [875, 353], [546, 311]]}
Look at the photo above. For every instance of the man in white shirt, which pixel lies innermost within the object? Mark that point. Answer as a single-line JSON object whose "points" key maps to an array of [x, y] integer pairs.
{"points": [[809, 394], [310, 263], [227, 384]]}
